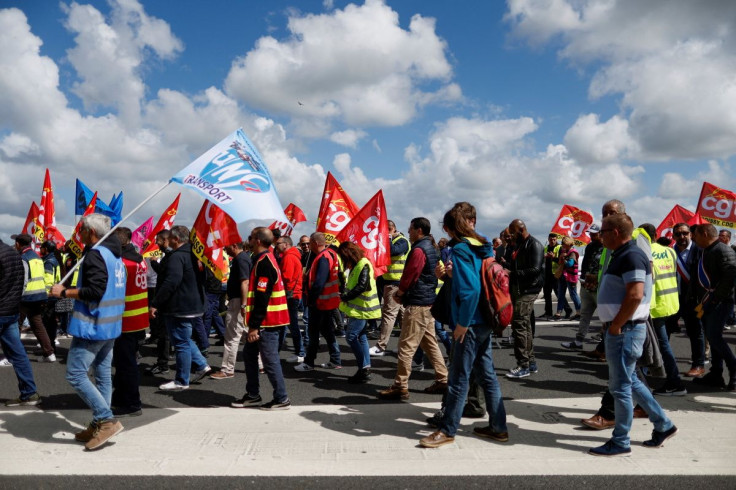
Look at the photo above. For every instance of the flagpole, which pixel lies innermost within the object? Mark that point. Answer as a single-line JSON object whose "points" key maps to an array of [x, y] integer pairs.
{"points": [[71, 271]]}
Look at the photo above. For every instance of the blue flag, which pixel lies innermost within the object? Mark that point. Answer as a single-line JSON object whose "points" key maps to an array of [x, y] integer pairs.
{"points": [[84, 195]]}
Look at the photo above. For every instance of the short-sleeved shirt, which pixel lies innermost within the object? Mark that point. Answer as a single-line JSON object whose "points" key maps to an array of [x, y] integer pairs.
{"points": [[239, 271], [628, 264]]}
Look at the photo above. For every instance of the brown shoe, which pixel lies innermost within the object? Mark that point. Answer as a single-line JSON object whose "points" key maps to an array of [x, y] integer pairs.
{"points": [[86, 434], [221, 375], [436, 439], [594, 354], [598, 423], [640, 413], [436, 388], [491, 434], [696, 372], [394, 392], [104, 432]]}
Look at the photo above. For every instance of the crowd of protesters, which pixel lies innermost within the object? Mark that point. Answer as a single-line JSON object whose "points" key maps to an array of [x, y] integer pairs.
{"points": [[640, 288]]}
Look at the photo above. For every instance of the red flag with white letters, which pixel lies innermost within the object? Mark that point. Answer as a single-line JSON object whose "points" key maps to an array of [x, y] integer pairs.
{"points": [[212, 231], [335, 210], [165, 222], [294, 214], [369, 230], [717, 206], [678, 214], [574, 222]]}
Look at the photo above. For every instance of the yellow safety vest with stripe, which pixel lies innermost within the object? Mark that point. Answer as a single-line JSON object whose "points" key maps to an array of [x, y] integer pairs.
{"points": [[606, 254], [665, 300], [397, 261], [51, 277], [35, 286], [366, 305], [554, 261]]}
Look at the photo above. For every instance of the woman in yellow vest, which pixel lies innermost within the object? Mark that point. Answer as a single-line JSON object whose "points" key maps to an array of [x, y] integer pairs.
{"points": [[359, 302]]}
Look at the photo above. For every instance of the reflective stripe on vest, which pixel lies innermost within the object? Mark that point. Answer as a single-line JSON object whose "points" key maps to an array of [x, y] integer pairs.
{"points": [[103, 320], [329, 297], [135, 316], [396, 268], [366, 306], [277, 311], [665, 300], [36, 286]]}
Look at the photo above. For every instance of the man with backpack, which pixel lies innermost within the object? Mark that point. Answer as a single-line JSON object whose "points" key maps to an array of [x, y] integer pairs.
{"points": [[527, 277]]}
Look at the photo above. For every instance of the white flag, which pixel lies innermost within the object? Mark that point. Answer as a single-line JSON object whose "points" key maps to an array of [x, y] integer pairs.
{"points": [[233, 175]]}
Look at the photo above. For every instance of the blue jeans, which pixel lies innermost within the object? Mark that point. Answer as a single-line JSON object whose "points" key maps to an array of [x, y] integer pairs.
{"points": [[622, 352], [212, 316], [358, 342], [200, 334], [668, 357], [16, 354], [187, 352], [714, 320], [97, 354], [268, 347], [473, 354], [562, 287]]}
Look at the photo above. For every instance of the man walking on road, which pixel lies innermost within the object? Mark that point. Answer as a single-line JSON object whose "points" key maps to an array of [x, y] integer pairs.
{"points": [[180, 299], [96, 322], [624, 296]]}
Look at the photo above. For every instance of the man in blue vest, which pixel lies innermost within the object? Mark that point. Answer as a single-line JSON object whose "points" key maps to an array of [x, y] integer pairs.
{"points": [[96, 322]]}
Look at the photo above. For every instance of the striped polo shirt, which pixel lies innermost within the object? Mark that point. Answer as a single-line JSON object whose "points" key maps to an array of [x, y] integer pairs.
{"points": [[628, 264]]}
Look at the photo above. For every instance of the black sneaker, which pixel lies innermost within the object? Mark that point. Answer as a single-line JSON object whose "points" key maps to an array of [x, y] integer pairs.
{"points": [[533, 368], [126, 412], [360, 377], [710, 379], [157, 369], [247, 401], [667, 390], [434, 420], [658, 438], [274, 405]]}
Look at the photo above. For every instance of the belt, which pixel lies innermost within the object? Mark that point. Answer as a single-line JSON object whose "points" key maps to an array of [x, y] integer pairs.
{"points": [[630, 322]]}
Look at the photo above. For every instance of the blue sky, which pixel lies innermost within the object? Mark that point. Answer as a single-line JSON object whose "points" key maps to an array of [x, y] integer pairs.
{"points": [[517, 106]]}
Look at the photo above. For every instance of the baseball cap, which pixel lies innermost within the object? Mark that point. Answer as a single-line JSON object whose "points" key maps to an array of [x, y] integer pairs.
{"points": [[22, 238], [594, 228]]}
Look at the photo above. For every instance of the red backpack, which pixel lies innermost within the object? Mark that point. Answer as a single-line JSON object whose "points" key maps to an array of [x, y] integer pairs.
{"points": [[495, 297]]}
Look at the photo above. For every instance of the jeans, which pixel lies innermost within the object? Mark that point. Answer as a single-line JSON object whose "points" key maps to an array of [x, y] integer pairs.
{"points": [[268, 347], [714, 320], [97, 354], [296, 334], [473, 355], [563, 285], [212, 316], [622, 352], [187, 353], [127, 379], [320, 322], [16, 354], [358, 342], [668, 357], [200, 334]]}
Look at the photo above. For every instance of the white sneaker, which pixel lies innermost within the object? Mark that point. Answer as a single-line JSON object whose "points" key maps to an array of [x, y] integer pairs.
{"points": [[303, 367], [51, 358], [199, 375], [330, 365], [173, 386], [417, 366], [376, 351], [56, 342], [298, 359], [5, 362]]}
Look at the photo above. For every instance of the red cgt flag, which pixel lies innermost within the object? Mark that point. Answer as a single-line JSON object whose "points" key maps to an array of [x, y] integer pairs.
{"points": [[76, 245], [335, 210], [294, 214], [212, 231], [369, 230], [165, 222], [32, 225], [574, 222], [678, 214], [717, 206], [47, 212]]}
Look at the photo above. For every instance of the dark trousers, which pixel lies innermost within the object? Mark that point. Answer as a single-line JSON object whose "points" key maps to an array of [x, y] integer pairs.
{"points": [[34, 313], [320, 322], [49, 321], [127, 379], [550, 284], [694, 329], [200, 334], [212, 316]]}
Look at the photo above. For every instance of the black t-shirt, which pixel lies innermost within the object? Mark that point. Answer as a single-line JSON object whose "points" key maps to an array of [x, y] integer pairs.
{"points": [[239, 271]]}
